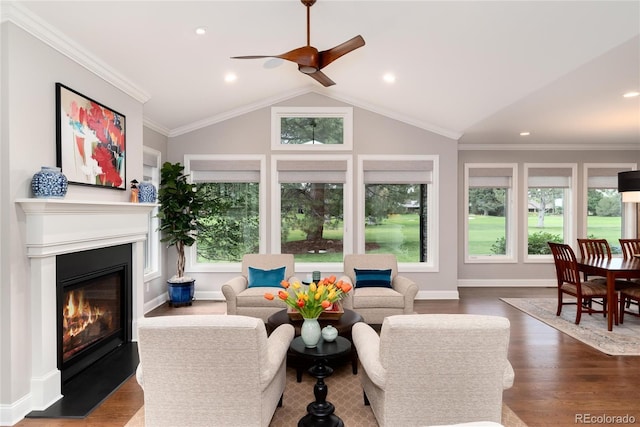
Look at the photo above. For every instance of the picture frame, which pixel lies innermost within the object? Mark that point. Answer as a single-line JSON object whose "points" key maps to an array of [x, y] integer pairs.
{"points": [[312, 128], [90, 141]]}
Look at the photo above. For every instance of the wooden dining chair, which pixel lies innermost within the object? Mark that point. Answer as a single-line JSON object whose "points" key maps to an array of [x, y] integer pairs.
{"points": [[594, 248], [569, 282], [630, 247]]}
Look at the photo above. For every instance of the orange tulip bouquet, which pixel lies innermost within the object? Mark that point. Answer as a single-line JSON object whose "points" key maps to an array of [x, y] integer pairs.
{"points": [[312, 300]]}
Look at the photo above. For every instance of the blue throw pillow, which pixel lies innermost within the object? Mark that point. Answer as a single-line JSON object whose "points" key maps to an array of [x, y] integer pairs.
{"points": [[373, 278], [266, 278]]}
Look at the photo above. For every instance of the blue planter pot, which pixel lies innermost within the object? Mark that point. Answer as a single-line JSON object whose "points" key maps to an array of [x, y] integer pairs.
{"points": [[180, 294]]}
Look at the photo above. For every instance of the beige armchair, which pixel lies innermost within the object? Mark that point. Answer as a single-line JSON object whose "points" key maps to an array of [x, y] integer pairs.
{"points": [[376, 303], [246, 301], [435, 369], [212, 370]]}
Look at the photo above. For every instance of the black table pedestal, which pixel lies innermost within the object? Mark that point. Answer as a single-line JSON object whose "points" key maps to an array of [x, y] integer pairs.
{"points": [[320, 413]]}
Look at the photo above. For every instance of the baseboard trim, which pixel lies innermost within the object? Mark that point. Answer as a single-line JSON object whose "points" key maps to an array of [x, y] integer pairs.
{"points": [[507, 283]]}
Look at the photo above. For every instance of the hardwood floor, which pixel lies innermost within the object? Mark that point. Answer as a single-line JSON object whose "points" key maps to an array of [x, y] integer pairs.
{"points": [[557, 378]]}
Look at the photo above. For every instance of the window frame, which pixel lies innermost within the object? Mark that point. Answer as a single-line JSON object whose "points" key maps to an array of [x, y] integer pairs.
{"points": [[278, 113], [511, 211], [628, 211], [433, 229], [276, 203], [192, 264], [570, 225], [152, 243]]}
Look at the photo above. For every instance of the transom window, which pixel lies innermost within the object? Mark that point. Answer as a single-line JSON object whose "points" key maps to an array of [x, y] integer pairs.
{"points": [[311, 128]]}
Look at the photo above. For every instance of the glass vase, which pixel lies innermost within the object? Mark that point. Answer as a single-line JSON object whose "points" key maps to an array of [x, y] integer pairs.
{"points": [[310, 332]]}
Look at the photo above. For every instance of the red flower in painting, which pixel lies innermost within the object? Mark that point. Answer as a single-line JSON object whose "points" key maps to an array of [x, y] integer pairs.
{"points": [[97, 121], [104, 157]]}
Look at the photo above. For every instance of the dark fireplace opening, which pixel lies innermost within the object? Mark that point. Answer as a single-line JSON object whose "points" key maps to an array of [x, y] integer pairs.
{"points": [[94, 306]]}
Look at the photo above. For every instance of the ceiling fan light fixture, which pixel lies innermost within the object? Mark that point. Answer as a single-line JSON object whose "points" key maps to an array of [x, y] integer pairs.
{"points": [[307, 69]]}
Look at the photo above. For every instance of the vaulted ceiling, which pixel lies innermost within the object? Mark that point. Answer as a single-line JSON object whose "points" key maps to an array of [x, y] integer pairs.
{"points": [[477, 71]]}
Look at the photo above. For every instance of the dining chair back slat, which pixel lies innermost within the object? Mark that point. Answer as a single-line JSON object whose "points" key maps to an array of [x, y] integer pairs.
{"points": [[630, 247]]}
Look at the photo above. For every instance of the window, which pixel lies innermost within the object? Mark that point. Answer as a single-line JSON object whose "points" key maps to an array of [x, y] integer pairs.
{"points": [[397, 201], [235, 198], [490, 225], [151, 161], [311, 198], [311, 128], [550, 207], [603, 205]]}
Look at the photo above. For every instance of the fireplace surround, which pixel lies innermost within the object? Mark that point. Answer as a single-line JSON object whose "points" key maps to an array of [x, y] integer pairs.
{"points": [[60, 226]]}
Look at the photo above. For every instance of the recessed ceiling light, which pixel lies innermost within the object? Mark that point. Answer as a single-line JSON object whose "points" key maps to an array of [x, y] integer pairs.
{"points": [[631, 94], [525, 133], [230, 78], [201, 30], [389, 78]]}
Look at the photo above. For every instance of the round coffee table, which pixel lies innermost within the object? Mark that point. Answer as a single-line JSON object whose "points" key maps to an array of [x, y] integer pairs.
{"points": [[343, 325], [321, 412]]}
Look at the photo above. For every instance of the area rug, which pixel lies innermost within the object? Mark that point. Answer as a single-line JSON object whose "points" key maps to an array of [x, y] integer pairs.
{"points": [[623, 340], [344, 392]]}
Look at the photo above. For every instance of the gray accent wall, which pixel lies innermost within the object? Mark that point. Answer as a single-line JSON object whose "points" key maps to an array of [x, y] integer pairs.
{"points": [[372, 134]]}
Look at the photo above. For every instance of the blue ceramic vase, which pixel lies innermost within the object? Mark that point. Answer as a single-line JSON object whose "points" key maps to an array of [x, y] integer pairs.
{"points": [[50, 182], [146, 192]]}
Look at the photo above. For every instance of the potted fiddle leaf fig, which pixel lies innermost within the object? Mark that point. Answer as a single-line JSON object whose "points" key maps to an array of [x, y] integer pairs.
{"points": [[181, 202]]}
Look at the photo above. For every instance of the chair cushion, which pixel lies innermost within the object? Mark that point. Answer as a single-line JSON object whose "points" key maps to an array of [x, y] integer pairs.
{"points": [[254, 297], [377, 297], [370, 278], [266, 278]]}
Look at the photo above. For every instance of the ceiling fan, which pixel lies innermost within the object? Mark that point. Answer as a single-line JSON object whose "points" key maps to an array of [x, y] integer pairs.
{"points": [[309, 60]]}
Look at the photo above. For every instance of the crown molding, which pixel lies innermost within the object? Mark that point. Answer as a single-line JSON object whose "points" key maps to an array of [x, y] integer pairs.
{"points": [[236, 112], [548, 147], [310, 89], [393, 115], [148, 123], [40, 29]]}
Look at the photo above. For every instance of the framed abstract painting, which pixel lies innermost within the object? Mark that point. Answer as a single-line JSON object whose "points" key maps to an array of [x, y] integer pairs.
{"points": [[91, 140]]}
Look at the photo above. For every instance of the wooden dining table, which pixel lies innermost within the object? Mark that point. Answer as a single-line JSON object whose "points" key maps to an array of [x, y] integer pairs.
{"points": [[612, 269]]}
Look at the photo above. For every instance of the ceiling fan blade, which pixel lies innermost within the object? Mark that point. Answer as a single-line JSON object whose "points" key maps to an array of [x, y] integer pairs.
{"points": [[305, 56], [254, 57], [330, 55], [321, 78]]}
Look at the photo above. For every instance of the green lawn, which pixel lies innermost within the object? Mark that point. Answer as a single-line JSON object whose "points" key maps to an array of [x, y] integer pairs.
{"points": [[399, 234], [485, 230]]}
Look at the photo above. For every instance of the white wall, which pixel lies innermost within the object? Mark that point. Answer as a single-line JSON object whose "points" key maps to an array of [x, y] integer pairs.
{"points": [[30, 70], [372, 134]]}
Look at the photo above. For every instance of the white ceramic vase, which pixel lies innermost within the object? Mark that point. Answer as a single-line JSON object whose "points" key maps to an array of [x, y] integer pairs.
{"points": [[310, 332]]}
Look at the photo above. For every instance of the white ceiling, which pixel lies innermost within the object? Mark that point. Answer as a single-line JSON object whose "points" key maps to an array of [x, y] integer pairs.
{"points": [[480, 70]]}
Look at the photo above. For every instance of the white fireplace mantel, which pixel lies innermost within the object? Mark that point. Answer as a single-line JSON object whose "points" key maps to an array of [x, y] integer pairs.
{"points": [[61, 226], [58, 226]]}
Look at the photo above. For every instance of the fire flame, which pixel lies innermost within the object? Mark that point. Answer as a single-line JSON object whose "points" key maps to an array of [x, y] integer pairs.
{"points": [[78, 314]]}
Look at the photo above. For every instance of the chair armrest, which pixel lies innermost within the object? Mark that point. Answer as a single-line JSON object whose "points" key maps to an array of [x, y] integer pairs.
{"points": [[367, 344], [231, 289], [347, 300], [277, 346], [509, 375], [408, 288], [139, 376]]}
